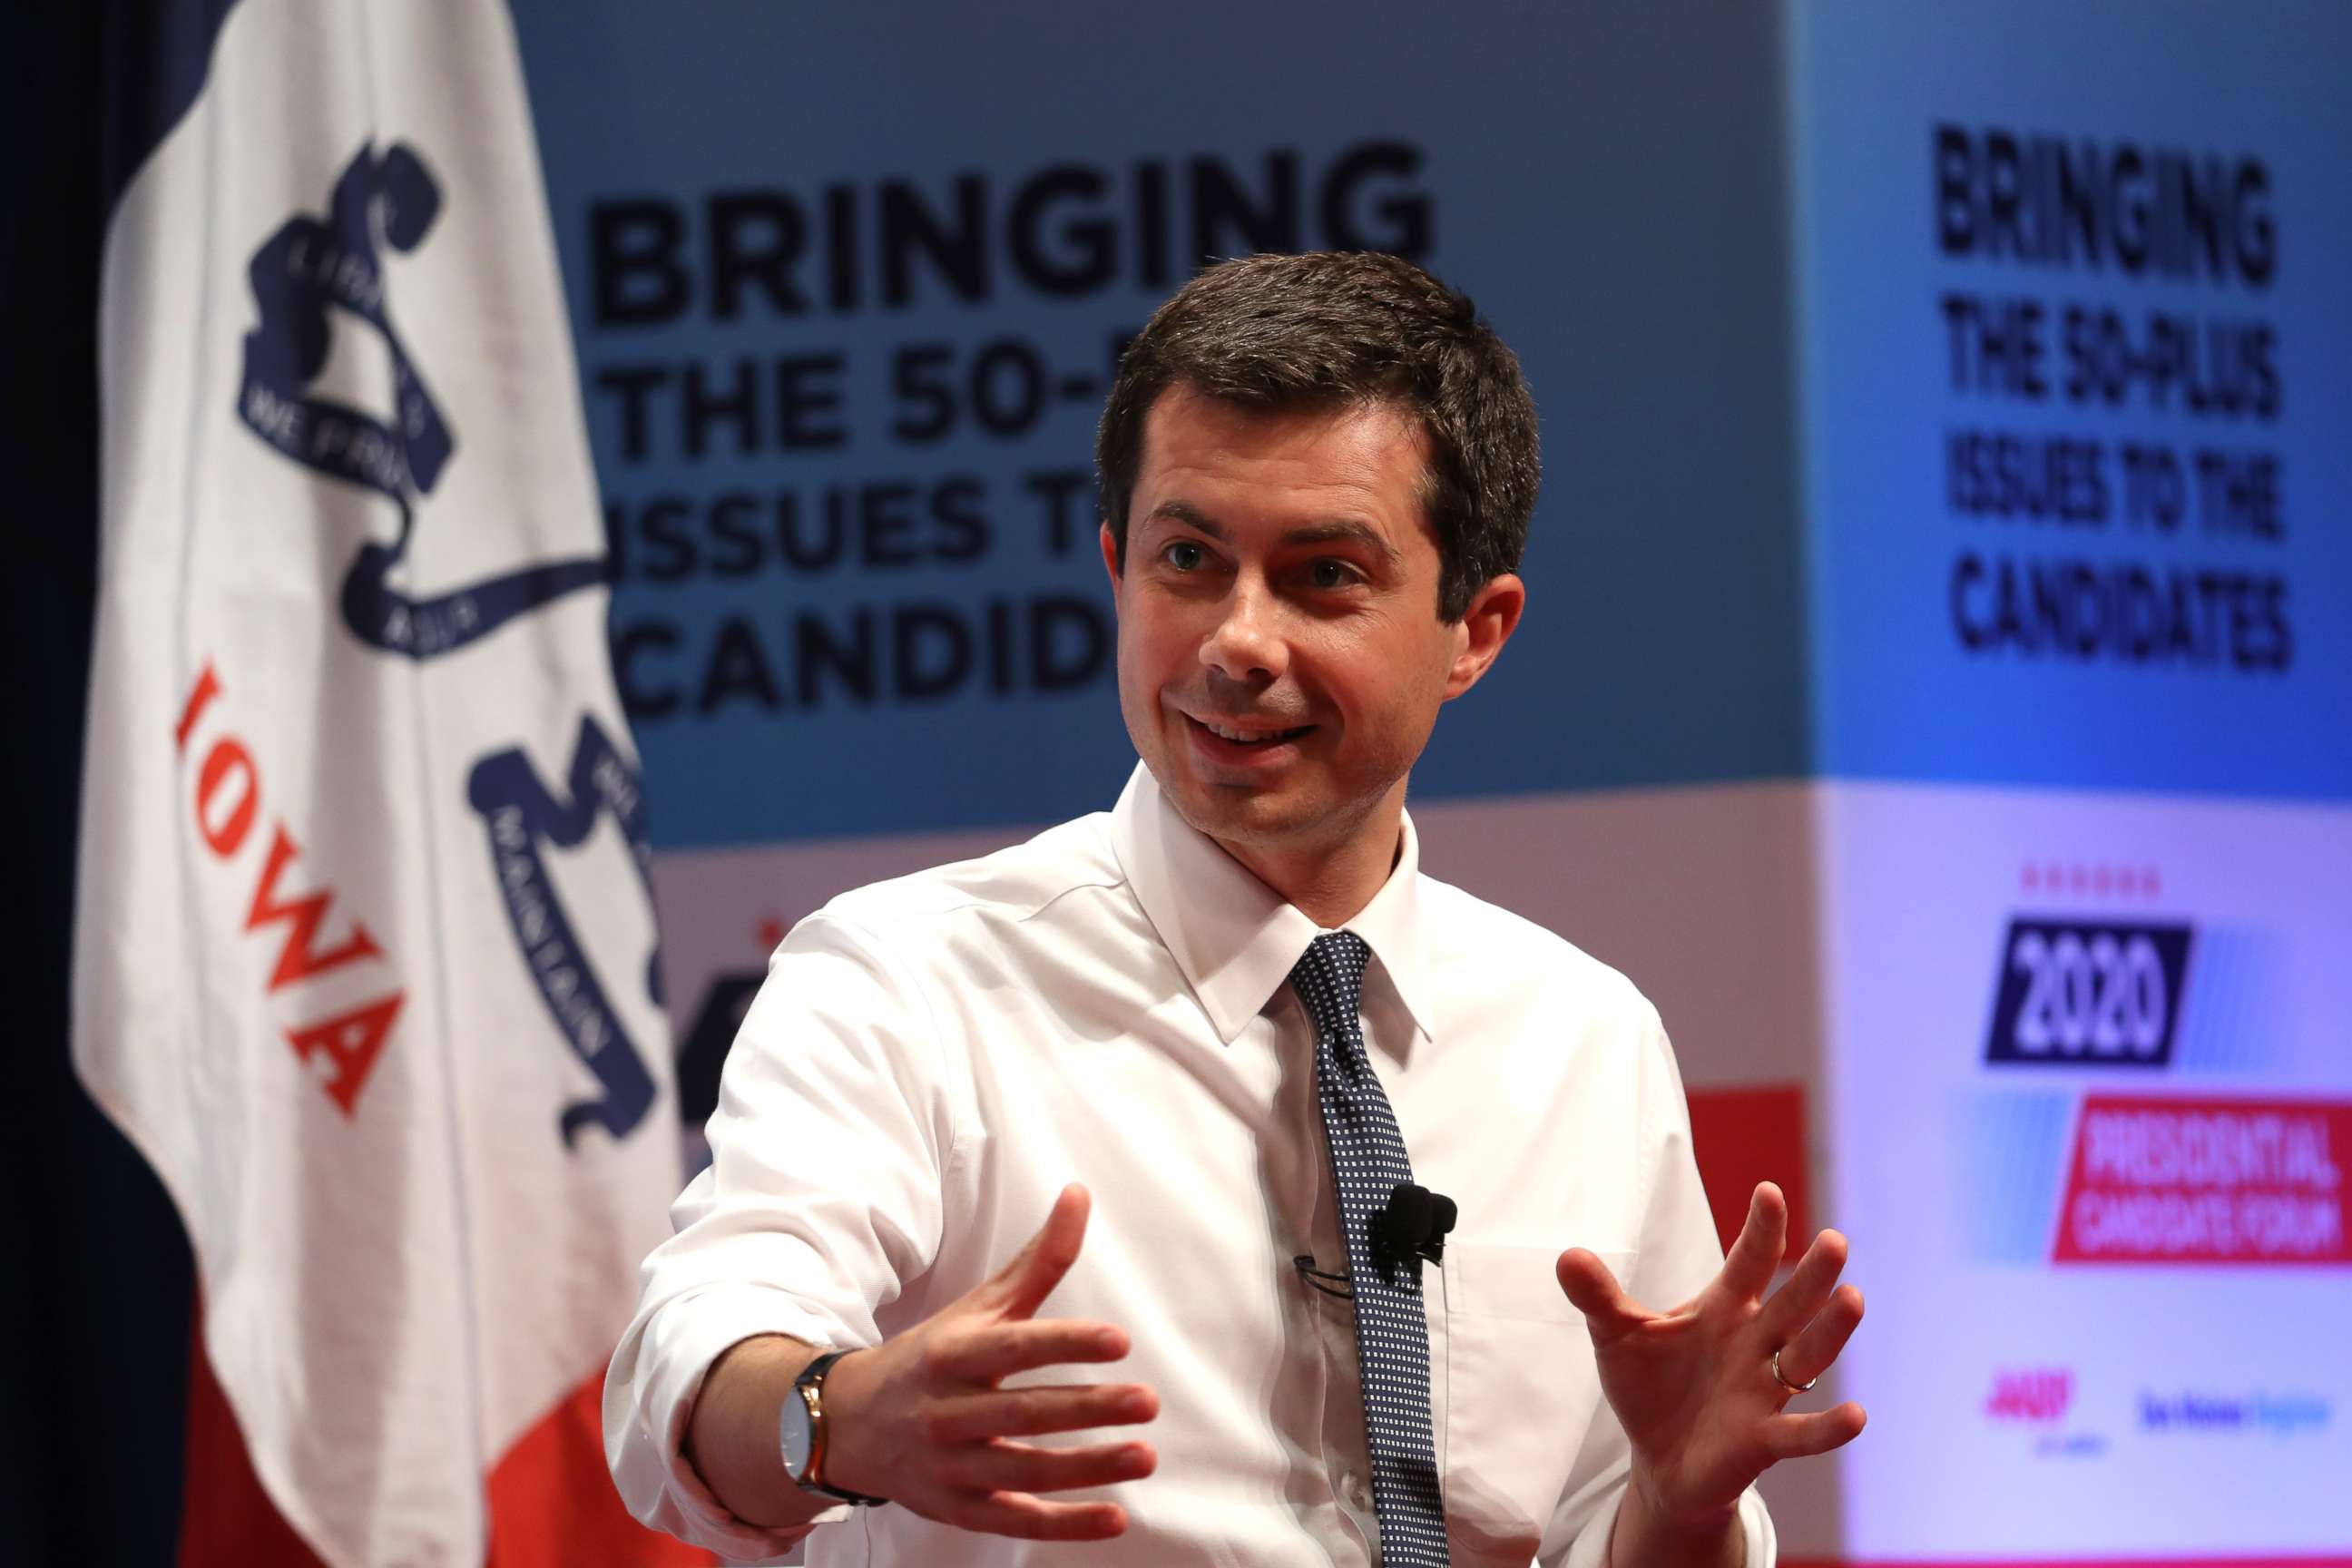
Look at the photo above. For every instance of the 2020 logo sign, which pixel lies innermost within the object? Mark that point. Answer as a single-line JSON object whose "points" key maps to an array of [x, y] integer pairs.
{"points": [[2088, 994]]}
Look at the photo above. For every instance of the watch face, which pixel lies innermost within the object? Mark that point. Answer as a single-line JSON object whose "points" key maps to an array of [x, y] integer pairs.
{"points": [[796, 1435]]}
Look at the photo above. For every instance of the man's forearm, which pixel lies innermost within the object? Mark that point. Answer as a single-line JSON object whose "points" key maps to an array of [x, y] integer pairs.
{"points": [[731, 1438], [1641, 1539]]}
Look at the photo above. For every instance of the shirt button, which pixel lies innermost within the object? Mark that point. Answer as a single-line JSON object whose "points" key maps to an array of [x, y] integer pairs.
{"points": [[1353, 1484]]}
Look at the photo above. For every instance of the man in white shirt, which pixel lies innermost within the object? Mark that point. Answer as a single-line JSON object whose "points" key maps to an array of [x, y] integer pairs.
{"points": [[1318, 473]]}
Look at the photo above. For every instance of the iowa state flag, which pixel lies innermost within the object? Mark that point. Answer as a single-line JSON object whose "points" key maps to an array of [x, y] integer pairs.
{"points": [[364, 952]]}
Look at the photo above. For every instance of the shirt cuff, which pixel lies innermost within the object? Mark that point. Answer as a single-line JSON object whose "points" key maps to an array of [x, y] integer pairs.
{"points": [[1590, 1548], [677, 1349]]}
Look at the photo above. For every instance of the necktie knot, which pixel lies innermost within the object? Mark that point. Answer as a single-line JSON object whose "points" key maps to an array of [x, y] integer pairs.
{"points": [[1330, 980]]}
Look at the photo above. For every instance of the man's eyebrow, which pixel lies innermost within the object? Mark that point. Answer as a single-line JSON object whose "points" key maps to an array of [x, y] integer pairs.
{"points": [[1337, 530], [1191, 516], [1343, 531]]}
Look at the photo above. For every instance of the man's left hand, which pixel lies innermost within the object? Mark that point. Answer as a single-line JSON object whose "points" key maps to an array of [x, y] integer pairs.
{"points": [[1694, 1388]]}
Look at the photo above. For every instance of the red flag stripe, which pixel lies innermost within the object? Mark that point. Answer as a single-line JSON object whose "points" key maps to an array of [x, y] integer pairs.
{"points": [[551, 1503]]}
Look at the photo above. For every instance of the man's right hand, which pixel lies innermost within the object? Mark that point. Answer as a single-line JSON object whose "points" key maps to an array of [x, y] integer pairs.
{"points": [[922, 1420]]}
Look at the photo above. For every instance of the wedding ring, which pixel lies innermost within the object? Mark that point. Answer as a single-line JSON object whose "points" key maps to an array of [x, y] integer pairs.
{"points": [[1791, 1387]]}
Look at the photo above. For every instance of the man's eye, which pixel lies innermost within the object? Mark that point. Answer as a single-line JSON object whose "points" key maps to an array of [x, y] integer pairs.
{"points": [[1184, 555], [1330, 573]]}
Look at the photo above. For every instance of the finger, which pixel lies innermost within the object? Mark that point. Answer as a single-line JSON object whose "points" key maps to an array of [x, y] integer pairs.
{"points": [[1756, 1251], [1808, 1289], [1027, 1412], [1018, 1289], [1593, 1290], [990, 1352], [1816, 1432], [1026, 1518], [1817, 1345], [1003, 1467]]}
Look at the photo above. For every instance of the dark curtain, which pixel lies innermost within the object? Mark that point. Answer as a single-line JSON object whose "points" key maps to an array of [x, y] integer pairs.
{"points": [[94, 1314]]}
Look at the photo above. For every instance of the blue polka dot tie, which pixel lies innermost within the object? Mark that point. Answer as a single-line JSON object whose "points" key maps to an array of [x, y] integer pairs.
{"points": [[1367, 1163]]}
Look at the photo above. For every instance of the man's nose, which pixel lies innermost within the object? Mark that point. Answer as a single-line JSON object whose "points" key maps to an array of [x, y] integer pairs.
{"points": [[1247, 642]]}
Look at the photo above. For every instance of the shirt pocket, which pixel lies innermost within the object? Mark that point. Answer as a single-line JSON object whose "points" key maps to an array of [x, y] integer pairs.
{"points": [[1521, 1391]]}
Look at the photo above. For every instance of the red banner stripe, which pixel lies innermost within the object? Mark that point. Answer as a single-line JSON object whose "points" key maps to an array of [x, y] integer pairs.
{"points": [[1743, 1136]]}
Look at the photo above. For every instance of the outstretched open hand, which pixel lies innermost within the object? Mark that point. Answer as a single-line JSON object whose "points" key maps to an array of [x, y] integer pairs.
{"points": [[927, 1423], [1694, 1387]]}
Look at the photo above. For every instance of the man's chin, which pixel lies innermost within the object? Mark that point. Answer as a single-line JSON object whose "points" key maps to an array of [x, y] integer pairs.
{"points": [[1242, 811]]}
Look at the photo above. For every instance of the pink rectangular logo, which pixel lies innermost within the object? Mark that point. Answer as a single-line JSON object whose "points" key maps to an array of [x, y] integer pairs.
{"points": [[2173, 1180]]}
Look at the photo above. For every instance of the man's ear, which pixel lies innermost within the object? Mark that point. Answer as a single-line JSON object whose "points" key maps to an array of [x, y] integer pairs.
{"points": [[1110, 564], [1485, 627]]}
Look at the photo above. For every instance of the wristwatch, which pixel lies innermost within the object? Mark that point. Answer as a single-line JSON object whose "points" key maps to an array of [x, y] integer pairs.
{"points": [[801, 1433]]}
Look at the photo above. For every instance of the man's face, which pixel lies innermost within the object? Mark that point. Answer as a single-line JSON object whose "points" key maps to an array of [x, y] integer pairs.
{"points": [[1280, 659]]}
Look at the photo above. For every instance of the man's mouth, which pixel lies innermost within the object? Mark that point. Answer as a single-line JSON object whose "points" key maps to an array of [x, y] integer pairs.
{"points": [[1250, 735]]}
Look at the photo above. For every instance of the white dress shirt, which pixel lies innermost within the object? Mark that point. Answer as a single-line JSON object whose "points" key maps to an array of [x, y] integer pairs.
{"points": [[933, 1059]]}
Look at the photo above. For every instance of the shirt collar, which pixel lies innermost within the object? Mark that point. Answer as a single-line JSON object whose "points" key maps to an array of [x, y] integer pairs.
{"points": [[1235, 939]]}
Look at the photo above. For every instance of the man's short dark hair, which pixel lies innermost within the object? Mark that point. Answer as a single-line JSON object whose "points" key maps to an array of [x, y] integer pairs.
{"points": [[1286, 334]]}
